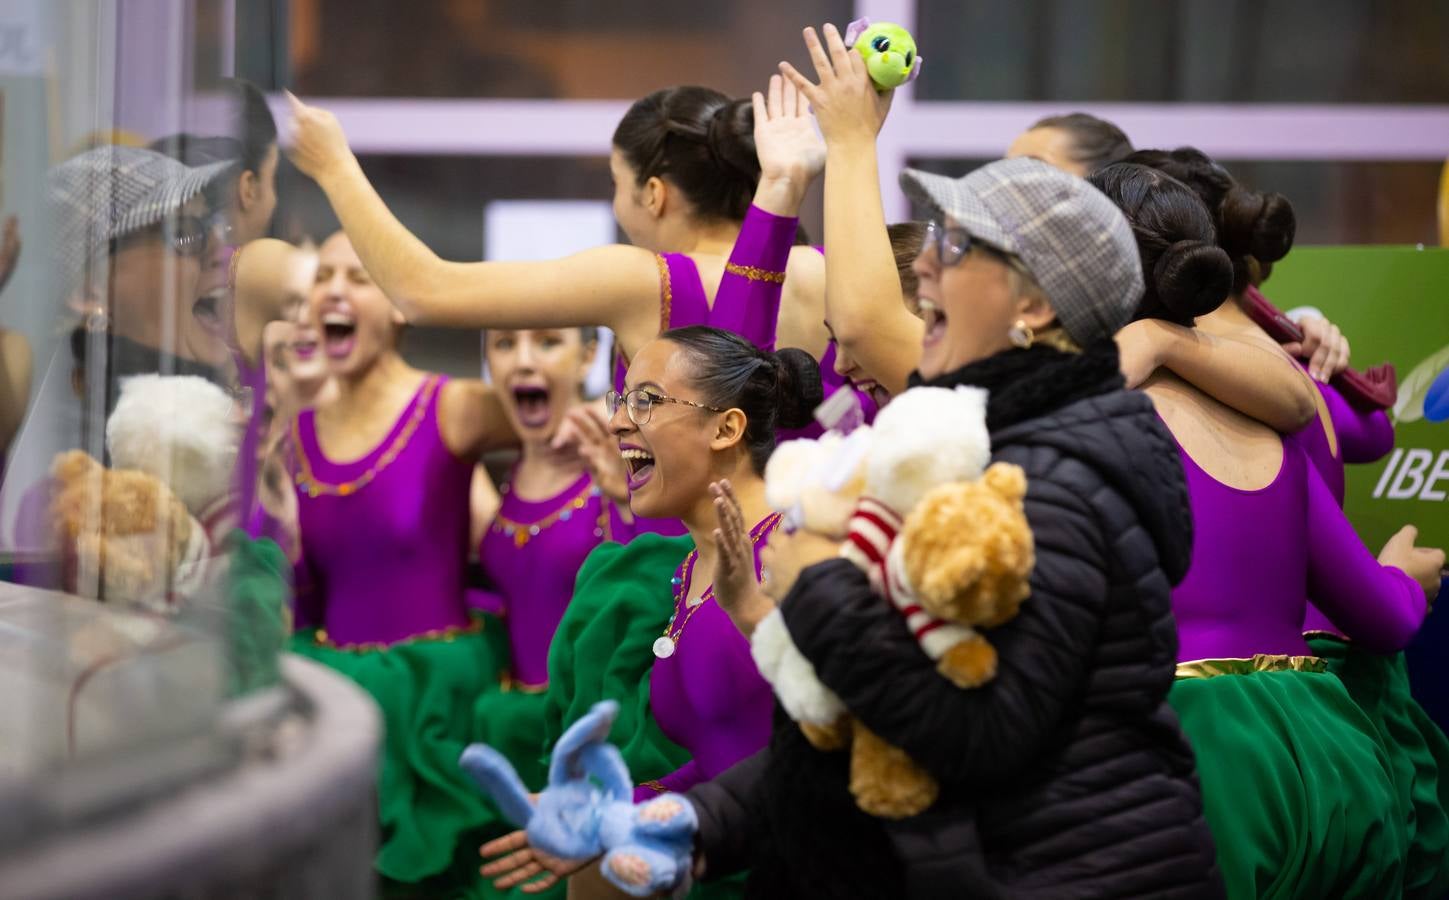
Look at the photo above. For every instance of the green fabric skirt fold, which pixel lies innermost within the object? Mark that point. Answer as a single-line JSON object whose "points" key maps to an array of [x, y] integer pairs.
{"points": [[432, 819], [1418, 754], [1297, 787]]}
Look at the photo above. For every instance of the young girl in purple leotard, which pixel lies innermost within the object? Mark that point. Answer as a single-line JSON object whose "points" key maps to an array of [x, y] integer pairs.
{"points": [[381, 474]]}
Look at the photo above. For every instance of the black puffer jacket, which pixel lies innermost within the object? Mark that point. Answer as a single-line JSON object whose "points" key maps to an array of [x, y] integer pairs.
{"points": [[1065, 776]]}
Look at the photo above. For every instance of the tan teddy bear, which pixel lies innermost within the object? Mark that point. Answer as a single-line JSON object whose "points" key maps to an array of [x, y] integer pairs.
{"points": [[125, 536], [961, 560]]}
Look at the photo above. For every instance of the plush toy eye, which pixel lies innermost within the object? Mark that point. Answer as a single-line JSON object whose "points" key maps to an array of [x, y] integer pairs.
{"points": [[881, 43], [909, 56]]}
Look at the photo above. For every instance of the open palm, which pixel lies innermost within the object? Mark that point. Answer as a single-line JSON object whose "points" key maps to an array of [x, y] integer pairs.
{"points": [[786, 139]]}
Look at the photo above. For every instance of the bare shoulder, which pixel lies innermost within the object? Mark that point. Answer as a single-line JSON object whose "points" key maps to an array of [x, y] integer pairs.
{"points": [[471, 418]]}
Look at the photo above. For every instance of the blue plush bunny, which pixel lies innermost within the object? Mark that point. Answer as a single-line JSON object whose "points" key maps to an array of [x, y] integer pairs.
{"points": [[587, 809]]}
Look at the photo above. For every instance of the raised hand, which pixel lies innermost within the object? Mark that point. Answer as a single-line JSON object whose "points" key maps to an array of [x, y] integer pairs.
{"points": [[319, 148], [846, 102], [786, 141], [735, 588]]}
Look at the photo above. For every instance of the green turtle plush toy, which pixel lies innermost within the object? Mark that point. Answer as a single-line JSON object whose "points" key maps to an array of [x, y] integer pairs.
{"points": [[889, 51]]}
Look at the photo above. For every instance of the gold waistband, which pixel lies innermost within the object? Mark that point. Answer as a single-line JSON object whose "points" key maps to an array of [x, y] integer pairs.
{"points": [[1261, 662], [446, 635], [507, 682]]}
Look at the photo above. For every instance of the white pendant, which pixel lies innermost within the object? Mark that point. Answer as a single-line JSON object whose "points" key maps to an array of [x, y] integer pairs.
{"points": [[664, 647]]}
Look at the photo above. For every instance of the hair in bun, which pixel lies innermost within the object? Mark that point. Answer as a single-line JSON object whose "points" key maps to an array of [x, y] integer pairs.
{"points": [[1253, 227], [1187, 274], [774, 390], [699, 140]]}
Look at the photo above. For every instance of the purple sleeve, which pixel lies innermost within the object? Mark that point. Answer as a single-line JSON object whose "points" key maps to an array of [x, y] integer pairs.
{"points": [[678, 781], [748, 301], [1363, 437], [620, 531], [1379, 607]]}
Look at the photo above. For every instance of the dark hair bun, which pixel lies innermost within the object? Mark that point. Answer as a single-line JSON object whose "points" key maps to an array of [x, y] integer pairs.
{"points": [[1192, 278], [1258, 225], [731, 138], [799, 389]]}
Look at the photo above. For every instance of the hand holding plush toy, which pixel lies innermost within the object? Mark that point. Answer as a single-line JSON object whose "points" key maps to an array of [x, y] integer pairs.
{"points": [[588, 809], [939, 535], [888, 49]]}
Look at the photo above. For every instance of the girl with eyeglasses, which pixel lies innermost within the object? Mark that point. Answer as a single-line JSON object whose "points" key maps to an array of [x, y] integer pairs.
{"points": [[1066, 774], [660, 624]]}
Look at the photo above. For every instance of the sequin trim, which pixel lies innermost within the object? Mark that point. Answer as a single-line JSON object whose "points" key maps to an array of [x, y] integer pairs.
{"points": [[446, 635], [307, 482], [754, 273]]}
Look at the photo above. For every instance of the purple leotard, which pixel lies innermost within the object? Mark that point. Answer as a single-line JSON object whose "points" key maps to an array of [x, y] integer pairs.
{"points": [[1363, 437], [708, 697], [385, 554], [1257, 557], [531, 554]]}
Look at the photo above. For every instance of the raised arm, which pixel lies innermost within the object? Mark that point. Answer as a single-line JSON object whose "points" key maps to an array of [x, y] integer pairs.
{"points": [[862, 288], [1246, 372], [791, 155], [616, 286]]}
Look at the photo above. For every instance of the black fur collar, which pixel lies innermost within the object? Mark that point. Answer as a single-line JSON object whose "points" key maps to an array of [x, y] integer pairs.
{"points": [[1027, 384]]}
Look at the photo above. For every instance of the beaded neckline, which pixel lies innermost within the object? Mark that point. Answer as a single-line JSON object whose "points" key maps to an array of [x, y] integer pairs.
{"points": [[667, 643], [522, 532], [308, 482]]}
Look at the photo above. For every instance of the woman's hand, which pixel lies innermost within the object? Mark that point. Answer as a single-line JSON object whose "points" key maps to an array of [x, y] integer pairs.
{"points": [[319, 148], [586, 430], [735, 588], [790, 150], [1323, 345], [518, 862], [1423, 564], [1139, 346], [787, 555], [846, 102]]}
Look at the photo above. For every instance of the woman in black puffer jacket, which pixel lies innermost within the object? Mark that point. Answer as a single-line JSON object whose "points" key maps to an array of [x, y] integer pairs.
{"points": [[1067, 775]]}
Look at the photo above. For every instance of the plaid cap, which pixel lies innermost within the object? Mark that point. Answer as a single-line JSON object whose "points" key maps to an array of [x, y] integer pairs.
{"points": [[1071, 238], [110, 192]]}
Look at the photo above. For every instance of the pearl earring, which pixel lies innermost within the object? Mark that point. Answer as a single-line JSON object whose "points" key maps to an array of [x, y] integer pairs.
{"points": [[1021, 335]]}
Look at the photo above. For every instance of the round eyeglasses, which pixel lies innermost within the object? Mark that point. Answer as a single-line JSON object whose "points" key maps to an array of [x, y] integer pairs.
{"points": [[640, 404]]}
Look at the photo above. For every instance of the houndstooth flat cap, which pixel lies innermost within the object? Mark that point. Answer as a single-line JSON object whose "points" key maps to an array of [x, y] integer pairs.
{"points": [[110, 192], [1074, 241]]}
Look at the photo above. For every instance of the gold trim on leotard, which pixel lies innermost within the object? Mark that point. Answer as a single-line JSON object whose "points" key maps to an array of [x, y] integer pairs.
{"points": [[446, 635], [755, 274], [666, 292], [1260, 662]]}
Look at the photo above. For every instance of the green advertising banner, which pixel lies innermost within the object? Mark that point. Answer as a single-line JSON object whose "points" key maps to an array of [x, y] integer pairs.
{"points": [[1393, 304]]}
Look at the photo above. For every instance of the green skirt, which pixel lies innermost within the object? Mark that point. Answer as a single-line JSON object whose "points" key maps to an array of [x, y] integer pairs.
{"points": [[1417, 750], [1296, 786], [432, 817]]}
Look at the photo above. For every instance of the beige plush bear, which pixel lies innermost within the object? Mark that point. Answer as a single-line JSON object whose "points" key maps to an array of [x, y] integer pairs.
{"points": [[964, 564]]}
